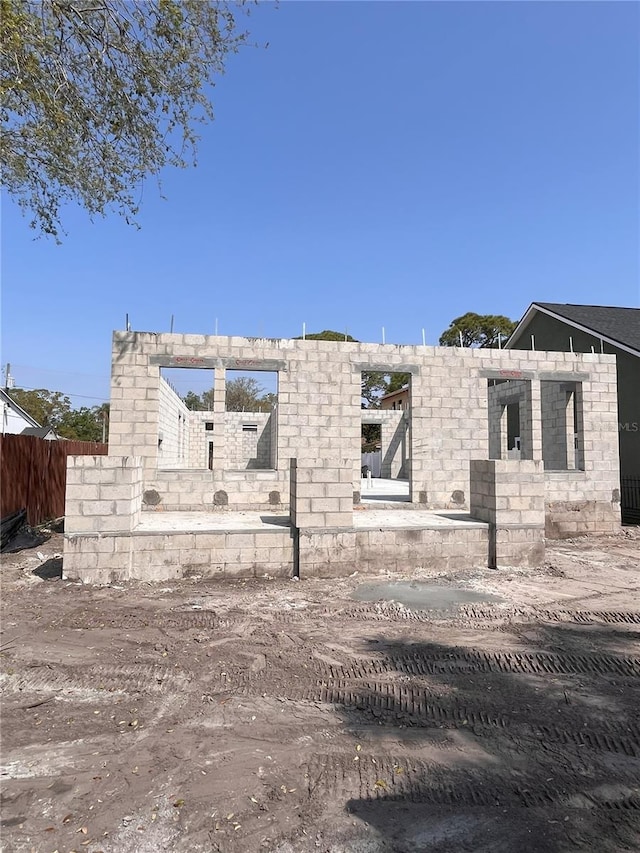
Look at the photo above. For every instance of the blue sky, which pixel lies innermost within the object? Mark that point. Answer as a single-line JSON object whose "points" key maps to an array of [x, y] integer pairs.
{"points": [[379, 164]]}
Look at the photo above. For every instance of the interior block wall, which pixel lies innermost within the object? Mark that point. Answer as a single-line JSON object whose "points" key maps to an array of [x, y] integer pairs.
{"points": [[173, 428], [247, 449]]}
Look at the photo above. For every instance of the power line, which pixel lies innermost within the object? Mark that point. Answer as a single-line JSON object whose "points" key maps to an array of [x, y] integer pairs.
{"points": [[65, 393]]}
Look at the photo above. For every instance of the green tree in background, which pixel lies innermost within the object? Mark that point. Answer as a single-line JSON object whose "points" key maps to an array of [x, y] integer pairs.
{"points": [[97, 95], [244, 394], [52, 408], [327, 335], [46, 407], [199, 402], [477, 330], [85, 424]]}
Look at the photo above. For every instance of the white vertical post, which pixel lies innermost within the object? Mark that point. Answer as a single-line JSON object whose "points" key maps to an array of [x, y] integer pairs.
{"points": [[570, 343], [424, 339], [460, 337], [533, 342], [383, 337], [304, 331]]}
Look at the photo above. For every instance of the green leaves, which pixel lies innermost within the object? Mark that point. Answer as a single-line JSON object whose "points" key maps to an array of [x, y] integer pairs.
{"points": [[95, 95], [52, 408], [477, 330]]}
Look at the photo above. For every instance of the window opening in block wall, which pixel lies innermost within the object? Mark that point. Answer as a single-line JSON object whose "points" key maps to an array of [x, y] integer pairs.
{"points": [[562, 425], [385, 436], [250, 442], [186, 421], [510, 419], [203, 419]]}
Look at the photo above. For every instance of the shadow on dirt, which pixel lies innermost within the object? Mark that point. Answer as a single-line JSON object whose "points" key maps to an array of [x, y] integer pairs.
{"points": [[535, 751], [51, 569]]}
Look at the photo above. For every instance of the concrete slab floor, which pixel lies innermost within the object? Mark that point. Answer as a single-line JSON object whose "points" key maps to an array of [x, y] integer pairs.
{"points": [[199, 522], [370, 519], [380, 489]]}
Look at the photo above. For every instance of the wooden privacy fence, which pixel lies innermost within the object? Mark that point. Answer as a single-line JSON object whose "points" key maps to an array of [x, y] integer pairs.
{"points": [[34, 474]]}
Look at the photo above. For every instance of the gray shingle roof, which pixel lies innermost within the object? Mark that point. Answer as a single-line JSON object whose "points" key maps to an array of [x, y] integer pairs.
{"points": [[38, 432], [618, 324]]}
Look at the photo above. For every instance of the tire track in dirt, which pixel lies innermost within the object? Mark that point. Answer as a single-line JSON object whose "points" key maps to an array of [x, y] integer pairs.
{"points": [[402, 778], [389, 611], [136, 620], [386, 701], [127, 678], [439, 661]]}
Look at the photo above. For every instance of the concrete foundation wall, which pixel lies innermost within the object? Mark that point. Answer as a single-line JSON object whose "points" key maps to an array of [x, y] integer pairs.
{"points": [[94, 558], [339, 553]]}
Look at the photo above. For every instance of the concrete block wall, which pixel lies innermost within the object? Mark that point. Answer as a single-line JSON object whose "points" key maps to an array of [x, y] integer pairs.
{"points": [[319, 402], [321, 493], [339, 553], [103, 499], [199, 438], [95, 558], [394, 440], [509, 496], [558, 431], [246, 449], [500, 396], [173, 428], [213, 491], [104, 493]]}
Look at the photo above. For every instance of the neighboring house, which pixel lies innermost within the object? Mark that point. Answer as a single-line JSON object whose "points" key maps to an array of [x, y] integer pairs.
{"points": [[46, 432], [396, 399], [597, 328], [14, 419]]}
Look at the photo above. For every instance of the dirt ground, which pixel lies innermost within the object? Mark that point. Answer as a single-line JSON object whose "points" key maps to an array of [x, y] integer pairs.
{"points": [[287, 716]]}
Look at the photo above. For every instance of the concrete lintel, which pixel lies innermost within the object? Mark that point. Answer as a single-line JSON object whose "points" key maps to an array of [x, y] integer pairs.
{"points": [[376, 367], [563, 376], [506, 373], [209, 362]]}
